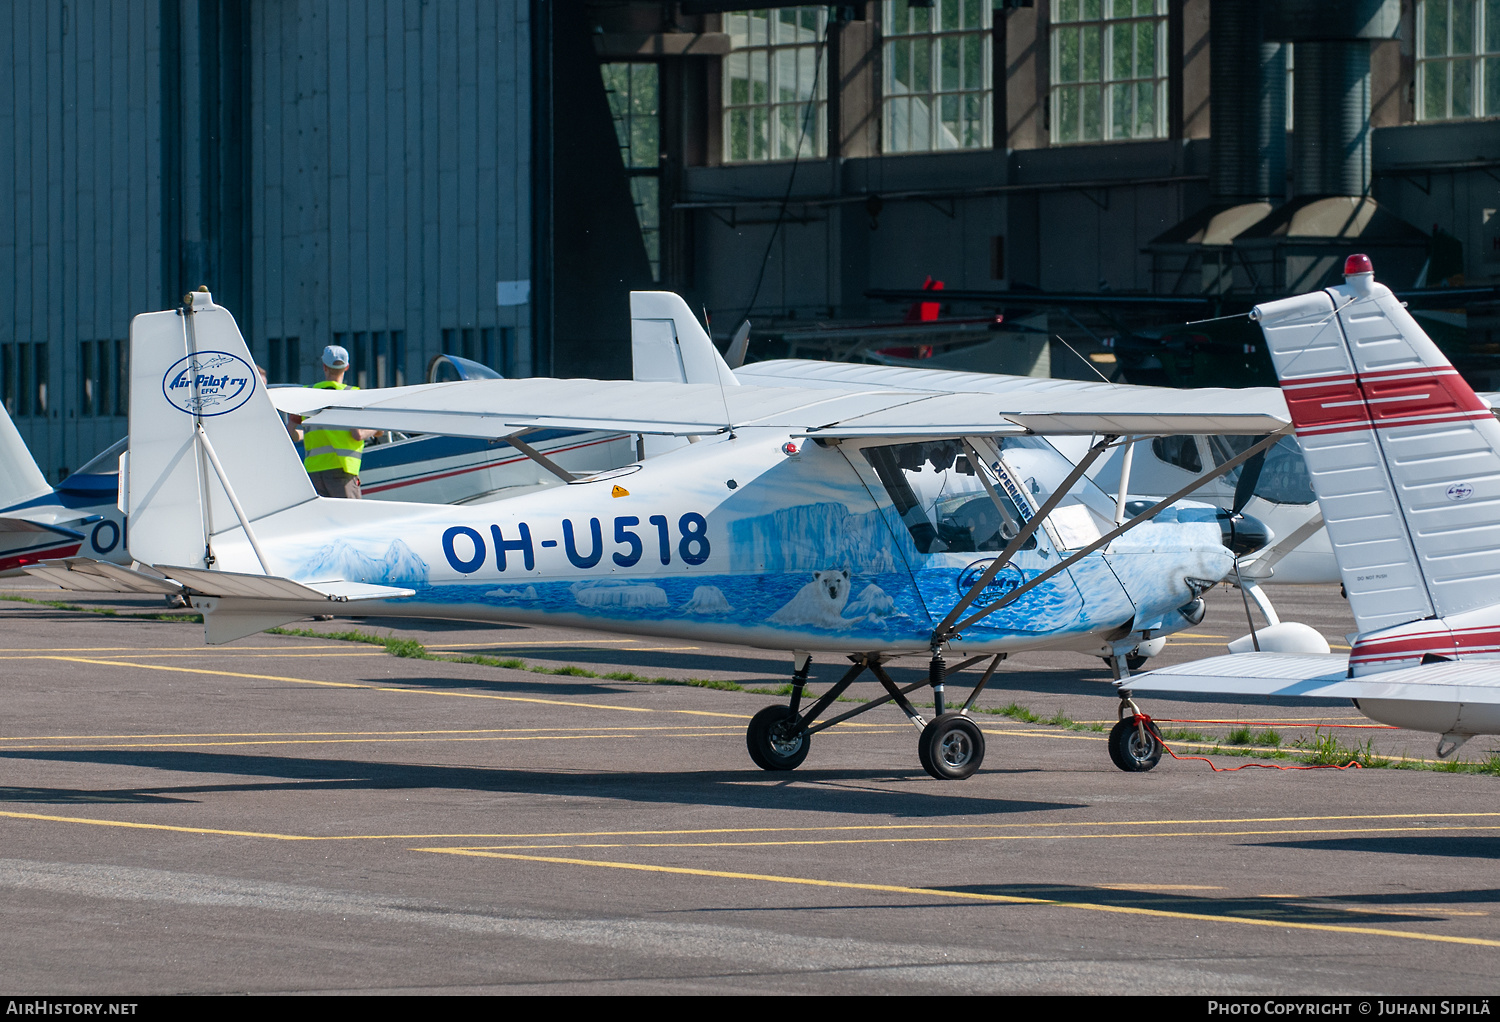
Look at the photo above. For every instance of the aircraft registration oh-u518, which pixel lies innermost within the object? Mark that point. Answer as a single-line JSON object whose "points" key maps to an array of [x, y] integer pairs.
{"points": [[867, 523], [1405, 461]]}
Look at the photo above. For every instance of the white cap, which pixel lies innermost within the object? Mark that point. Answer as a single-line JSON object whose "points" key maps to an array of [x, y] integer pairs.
{"points": [[335, 357]]}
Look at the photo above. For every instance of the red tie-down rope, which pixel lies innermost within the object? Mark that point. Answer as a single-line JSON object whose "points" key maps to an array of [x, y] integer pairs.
{"points": [[1150, 724], [1272, 723]]}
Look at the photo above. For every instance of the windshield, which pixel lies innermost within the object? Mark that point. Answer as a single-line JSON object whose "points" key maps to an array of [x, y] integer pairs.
{"points": [[942, 501], [1284, 478], [1085, 512], [448, 368], [106, 463]]}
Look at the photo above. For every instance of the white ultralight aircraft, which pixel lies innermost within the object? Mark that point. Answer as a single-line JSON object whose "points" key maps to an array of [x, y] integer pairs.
{"points": [[866, 523], [1405, 461]]}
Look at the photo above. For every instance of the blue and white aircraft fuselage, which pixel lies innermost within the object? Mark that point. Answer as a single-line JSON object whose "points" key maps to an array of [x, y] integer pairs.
{"points": [[736, 541], [866, 523]]}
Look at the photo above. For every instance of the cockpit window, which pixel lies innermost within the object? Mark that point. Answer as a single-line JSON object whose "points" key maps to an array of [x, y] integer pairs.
{"points": [[1181, 451], [943, 503]]}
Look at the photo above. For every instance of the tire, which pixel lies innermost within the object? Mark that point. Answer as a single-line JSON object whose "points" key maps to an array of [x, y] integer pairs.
{"points": [[1135, 661], [951, 748], [1129, 752], [770, 750]]}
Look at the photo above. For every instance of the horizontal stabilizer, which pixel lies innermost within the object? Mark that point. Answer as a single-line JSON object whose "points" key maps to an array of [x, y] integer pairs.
{"points": [[86, 575], [270, 587], [1315, 676], [24, 525]]}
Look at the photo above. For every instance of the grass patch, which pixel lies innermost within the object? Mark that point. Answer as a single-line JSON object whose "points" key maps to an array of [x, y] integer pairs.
{"points": [[1324, 749], [1016, 711], [413, 649], [192, 619]]}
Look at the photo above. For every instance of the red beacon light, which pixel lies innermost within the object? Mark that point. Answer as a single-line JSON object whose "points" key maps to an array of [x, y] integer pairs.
{"points": [[790, 449], [1358, 263]]}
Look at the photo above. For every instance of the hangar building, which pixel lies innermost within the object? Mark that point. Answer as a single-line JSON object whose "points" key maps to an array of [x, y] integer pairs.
{"points": [[411, 177]]}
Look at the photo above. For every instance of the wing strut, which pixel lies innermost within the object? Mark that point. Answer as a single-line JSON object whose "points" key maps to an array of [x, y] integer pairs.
{"points": [[234, 501], [537, 456], [947, 628]]}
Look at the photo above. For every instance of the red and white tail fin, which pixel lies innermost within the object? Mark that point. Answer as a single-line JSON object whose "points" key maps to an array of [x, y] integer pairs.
{"points": [[1404, 458]]}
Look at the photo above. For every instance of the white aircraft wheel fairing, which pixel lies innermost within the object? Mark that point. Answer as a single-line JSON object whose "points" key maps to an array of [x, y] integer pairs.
{"points": [[1285, 637], [771, 745], [1439, 718], [1134, 749], [951, 748]]}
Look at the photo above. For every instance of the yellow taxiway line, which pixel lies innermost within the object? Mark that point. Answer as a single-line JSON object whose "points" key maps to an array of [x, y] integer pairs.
{"points": [[388, 688], [1421, 822], [1005, 899]]}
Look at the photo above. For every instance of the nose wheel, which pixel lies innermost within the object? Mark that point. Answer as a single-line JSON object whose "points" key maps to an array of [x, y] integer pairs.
{"points": [[1134, 745]]}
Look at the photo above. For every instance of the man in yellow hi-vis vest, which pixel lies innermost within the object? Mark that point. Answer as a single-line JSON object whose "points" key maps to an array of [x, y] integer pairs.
{"points": [[332, 456]]}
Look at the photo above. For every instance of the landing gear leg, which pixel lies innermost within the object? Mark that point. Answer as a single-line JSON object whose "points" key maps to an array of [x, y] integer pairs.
{"points": [[950, 748], [1134, 745]]}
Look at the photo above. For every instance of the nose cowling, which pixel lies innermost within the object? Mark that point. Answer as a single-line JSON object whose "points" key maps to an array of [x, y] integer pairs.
{"points": [[1243, 534]]}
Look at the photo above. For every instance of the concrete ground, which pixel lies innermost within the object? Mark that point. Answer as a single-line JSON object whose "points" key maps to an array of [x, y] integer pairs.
{"points": [[302, 814]]}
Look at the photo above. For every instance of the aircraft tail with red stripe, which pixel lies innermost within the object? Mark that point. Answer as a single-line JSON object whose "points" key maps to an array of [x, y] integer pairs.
{"points": [[1405, 461]]}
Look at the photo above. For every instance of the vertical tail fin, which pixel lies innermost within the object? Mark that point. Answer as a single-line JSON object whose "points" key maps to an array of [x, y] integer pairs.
{"points": [[668, 344], [191, 372], [20, 478], [1403, 456]]}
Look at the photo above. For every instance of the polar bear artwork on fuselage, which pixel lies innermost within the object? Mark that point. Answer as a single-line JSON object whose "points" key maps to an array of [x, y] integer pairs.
{"points": [[819, 603]]}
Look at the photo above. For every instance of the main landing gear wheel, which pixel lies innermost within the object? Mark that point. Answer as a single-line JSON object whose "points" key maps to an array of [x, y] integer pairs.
{"points": [[1133, 660], [1134, 749], [770, 742], [951, 747]]}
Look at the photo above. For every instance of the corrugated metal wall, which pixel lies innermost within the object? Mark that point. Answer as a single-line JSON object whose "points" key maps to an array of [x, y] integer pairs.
{"points": [[80, 203], [391, 159], [389, 186]]}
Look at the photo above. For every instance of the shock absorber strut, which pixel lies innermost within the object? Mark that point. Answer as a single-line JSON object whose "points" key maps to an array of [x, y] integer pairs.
{"points": [[936, 669]]}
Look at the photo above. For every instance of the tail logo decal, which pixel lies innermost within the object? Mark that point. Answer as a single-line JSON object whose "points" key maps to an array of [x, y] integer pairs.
{"points": [[1460, 491], [209, 383]]}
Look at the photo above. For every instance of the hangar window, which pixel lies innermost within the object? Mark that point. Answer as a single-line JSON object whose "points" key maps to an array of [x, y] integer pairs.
{"points": [[635, 104], [377, 358], [1458, 59], [24, 374], [937, 75], [1109, 70], [98, 384], [775, 98]]}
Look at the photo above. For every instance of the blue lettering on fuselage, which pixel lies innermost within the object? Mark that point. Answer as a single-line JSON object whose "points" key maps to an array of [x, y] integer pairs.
{"points": [[467, 551]]}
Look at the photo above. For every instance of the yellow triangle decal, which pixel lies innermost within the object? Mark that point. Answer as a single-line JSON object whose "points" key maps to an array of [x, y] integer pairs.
{"points": [[619, 491]]}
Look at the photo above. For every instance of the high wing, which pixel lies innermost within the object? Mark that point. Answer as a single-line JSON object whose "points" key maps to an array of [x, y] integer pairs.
{"points": [[500, 408], [1046, 405], [1323, 677]]}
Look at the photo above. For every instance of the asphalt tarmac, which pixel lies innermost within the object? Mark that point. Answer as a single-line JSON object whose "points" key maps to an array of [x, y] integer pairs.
{"points": [[300, 814]]}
